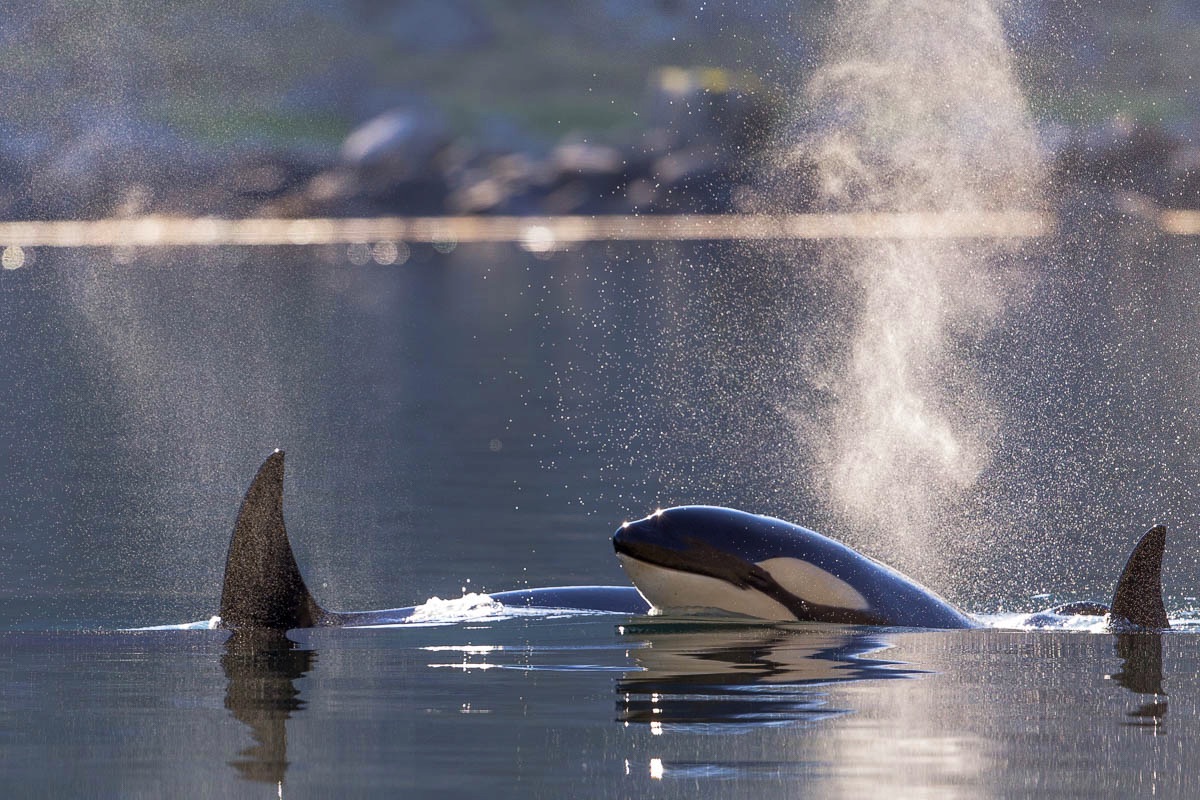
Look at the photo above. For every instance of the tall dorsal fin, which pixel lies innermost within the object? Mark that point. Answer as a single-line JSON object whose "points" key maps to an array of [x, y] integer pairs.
{"points": [[263, 587], [1138, 599]]}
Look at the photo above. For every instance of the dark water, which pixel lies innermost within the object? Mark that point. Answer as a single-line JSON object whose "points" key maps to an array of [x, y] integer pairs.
{"points": [[555, 708], [483, 419]]}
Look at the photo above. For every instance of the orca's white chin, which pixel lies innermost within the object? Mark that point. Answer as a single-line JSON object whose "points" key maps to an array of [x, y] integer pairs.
{"points": [[675, 590]]}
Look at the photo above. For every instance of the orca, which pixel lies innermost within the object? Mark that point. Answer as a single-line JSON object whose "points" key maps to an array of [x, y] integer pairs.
{"points": [[682, 559], [693, 558], [263, 587]]}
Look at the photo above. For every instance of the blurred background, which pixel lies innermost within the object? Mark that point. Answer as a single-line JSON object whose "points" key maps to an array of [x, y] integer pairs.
{"points": [[450, 106]]}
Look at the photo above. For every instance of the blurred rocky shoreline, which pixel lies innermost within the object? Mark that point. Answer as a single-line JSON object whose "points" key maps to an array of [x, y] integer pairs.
{"points": [[405, 162], [365, 122]]}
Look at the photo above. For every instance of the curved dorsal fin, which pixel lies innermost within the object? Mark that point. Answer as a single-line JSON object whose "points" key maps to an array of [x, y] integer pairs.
{"points": [[1138, 598], [263, 587]]}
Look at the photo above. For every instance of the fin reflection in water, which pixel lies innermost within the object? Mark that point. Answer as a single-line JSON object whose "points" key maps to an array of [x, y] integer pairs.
{"points": [[1142, 673], [262, 666], [708, 673]]}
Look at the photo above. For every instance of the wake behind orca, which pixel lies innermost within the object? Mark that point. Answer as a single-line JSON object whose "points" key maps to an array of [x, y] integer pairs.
{"points": [[683, 559]]}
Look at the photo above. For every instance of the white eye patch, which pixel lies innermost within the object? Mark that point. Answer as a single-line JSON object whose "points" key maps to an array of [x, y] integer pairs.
{"points": [[813, 584]]}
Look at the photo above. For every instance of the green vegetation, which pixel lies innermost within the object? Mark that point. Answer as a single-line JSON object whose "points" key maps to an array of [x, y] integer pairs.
{"points": [[307, 72]]}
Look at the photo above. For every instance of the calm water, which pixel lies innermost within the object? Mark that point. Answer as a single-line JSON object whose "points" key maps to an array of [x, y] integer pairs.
{"points": [[552, 708], [483, 419]]}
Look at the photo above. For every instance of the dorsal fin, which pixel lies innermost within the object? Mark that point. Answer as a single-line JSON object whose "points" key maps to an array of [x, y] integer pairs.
{"points": [[1138, 599], [263, 587]]}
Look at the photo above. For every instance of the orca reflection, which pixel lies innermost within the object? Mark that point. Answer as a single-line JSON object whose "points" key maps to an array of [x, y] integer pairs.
{"points": [[1142, 674], [709, 673], [262, 666]]}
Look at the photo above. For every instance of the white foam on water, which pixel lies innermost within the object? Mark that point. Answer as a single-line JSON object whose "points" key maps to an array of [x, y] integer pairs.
{"points": [[212, 623], [475, 606], [1046, 621], [472, 605]]}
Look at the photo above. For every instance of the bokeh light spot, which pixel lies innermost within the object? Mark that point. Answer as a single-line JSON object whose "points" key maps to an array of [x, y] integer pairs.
{"points": [[13, 257]]}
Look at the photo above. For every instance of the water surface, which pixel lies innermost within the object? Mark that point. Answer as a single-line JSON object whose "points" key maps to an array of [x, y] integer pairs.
{"points": [[483, 418], [601, 708]]}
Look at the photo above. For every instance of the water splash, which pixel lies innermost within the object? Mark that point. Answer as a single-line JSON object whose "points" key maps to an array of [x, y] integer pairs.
{"points": [[470, 606], [915, 108]]}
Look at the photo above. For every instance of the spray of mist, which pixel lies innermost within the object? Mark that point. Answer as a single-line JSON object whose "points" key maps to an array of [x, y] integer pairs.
{"points": [[915, 108]]}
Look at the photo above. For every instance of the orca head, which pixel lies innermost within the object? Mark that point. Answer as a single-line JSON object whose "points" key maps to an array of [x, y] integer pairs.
{"points": [[263, 587], [703, 557]]}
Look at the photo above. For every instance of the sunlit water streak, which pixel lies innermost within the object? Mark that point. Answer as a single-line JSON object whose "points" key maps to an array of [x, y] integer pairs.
{"points": [[536, 234]]}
